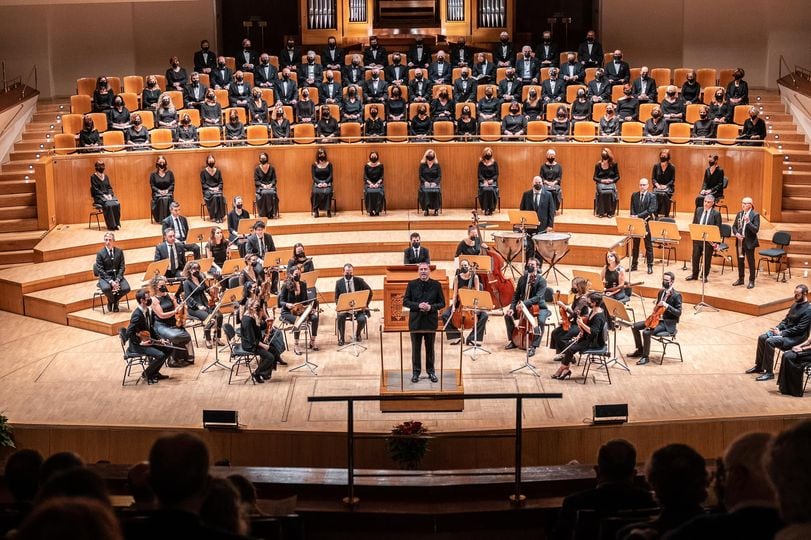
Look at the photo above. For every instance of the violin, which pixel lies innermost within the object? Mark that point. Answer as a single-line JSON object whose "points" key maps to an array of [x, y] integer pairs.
{"points": [[565, 322], [656, 316], [500, 287], [523, 327], [181, 313]]}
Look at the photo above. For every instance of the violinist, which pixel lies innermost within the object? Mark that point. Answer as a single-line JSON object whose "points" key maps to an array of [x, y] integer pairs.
{"points": [[590, 335], [466, 278], [614, 277], [300, 260], [531, 291], [141, 324], [165, 308], [217, 249], [198, 302], [252, 274], [561, 337], [293, 299], [668, 309], [472, 245], [252, 342]]}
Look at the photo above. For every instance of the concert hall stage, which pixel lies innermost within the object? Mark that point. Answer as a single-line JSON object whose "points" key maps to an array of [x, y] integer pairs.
{"points": [[60, 374]]}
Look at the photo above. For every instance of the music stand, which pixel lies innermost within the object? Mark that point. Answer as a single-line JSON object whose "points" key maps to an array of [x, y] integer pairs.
{"points": [[310, 278], [616, 309], [668, 236], [483, 263], [704, 234], [352, 303], [533, 324], [631, 227], [304, 321], [277, 259], [232, 266], [230, 299], [593, 278], [157, 268], [245, 225], [476, 302]]}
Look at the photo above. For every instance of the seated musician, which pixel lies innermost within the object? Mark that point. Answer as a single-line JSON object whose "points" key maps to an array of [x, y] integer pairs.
{"points": [[668, 307], [251, 274], [260, 242], [300, 260], [217, 249], [253, 342], [172, 250], [110, 269], [293, 299], [237, 214], [590, 335], [198, 304], [165, 308], [614, 277], [142, 338], [466, 278], [415, 253], [349, 284], [561, 337], [472, 244], [531, 291]]}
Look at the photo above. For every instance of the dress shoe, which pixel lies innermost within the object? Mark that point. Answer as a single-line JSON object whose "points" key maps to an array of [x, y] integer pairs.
{"points": [[433, 377], [258, 379], [751, 285], [315, 213], [642, 361], [636, 354], [221, 342], [208, 344], [531, 352], [633, 268], [115, 307], [160, 376], [110, 306], [765, 377], [706, 280], [436, 212], [565, 375], [281, 362], [737, 283], [510, 345], [753, 369], [456, 341], [266, 376], [358, 338], [690, 278], [340, 342], [415, 379], [650, 269], [425, 213]]}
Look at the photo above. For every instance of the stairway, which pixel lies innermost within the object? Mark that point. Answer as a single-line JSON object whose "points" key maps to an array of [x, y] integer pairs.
{"points": [[19, 230]]}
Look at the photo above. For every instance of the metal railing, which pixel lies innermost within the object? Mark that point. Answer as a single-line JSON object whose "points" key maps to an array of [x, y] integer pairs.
{"points": [[516, 498], [782, 62]]}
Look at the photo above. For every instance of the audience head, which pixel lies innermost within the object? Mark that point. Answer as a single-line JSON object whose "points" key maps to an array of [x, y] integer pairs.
{"points": [[88, 124], [169, 235], [643, 184], [440, 56], [656, 112], [70, 519], [222, 508], [691, 77], [22, 474], [611, 258], [551, 155], [264, 59], [504, 37], [239, 76], [553, 73], [415, 239], [738, 74], [174, 62], [174, 208], [374, 157], [246, 489], [741, 474], [719, 95], [75, 482], [210, 161], [664, 155], [58, 462], [546, 36], [562, 114], [790, 474], [480, 57], [136, 118], [570, 58], [101, 84], [321, 154], [626, 90], [178, 470], [590, 36], [607, 155], [99, 166], [396, 92], [246, 43], [151, 81], [259, 227], [221, 61], [616, 459], [704, 112], [487, 154], [233, 116], [537, 183], [617, 55], [526, 50], [678, 476], [311, 56], [671, 91]]}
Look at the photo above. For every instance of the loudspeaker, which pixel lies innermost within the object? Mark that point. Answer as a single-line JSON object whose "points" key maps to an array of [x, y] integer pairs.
{"points": [[610, 414], [215, 419]]}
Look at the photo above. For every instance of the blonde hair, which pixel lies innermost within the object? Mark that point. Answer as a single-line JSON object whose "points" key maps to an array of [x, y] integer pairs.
{"points": [[425, 156]]}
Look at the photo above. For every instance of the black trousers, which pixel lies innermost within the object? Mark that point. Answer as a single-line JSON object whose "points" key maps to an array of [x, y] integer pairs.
{"points": [[107, 290], [648, 248], [156, 358], [417, 338], [215, 202], [663, 203], [201, 314], [764, 355], [290, 318], [642, 336], [478, 332], [697, 248], [112, 214], [543, 314], [360, 319], [749, 255], [792, 373], [267, 360], [559, 339]]}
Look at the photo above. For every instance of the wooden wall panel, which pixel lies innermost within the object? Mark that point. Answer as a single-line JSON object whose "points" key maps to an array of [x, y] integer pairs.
{"points": [[518, 162]]}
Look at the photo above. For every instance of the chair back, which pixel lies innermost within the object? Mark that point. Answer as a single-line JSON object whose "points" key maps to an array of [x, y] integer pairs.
{"points": [[706, 77], [122, 338], [726, 231], [679, 133], [443, 131], [585, 131], [741, 114], [709, 93], [461, 105], [490, 131], [85, 86], [782, 239], [72, 123], [660, 75], [350, 132], [99, 121], [725, 76], [161, 139], [303, 133], [727, 134], [680, 76], [113, 141], [645, 110], [631, 132], [130, 100], [257, 135], [397, 131], [64, 143], [80, 104], [537, 131], [194, 115], [147, 118], [209, 136]]}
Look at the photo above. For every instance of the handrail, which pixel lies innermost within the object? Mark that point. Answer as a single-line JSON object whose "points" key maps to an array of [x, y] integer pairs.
{"points": [[801, 104], [780, 64], [516, 498], [28, 79]]}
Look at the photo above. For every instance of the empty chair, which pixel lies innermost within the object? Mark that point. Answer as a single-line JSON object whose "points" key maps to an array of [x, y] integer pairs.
{"points": [[134, 84], [706, 77], [537, 131], [490, 131], [585, 131], [64, 143], [397, 131], [114, 83], [722, 248], [303, 133], [741, 114], [222, 98], [727, 133], [161, 139], [113, 141], [85, 86], [80, 104], [679, 133], [660, 75], [130, 100], [209, 137], [256, 135], [777, 255], [350, 132], [443, 131], [72, 123], [631, 132]]}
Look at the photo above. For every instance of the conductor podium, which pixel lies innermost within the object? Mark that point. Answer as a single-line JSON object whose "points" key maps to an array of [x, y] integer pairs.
{"points": [[395, 370]]}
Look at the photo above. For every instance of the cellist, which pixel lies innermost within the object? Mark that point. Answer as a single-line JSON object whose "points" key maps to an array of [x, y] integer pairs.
{"points": [[530, 291], [466, 278], [561, 337], [661, 322]]}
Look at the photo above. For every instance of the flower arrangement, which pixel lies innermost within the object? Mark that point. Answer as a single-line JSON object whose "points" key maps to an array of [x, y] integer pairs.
{"points": [[407, 444]]}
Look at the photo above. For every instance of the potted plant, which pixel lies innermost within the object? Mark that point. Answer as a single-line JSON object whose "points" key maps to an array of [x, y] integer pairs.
{"points": [[408, 444], [6, 438]]}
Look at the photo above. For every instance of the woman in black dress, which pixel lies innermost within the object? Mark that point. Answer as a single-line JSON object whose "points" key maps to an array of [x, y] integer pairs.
{"points": [[720, 110], [294, 292], [197, 301], [104, 198], [430, 194], [176, 77], [322, 183], [166, 114], [754, 129], [466, 125], [533, 106], [305, 108], [420, 126], [514, 124], [609, 126], [137, 136], [655, 129], [162, 182], [560, 338], [326, 129], [614, 277], [374, 129], [606, 176], [663, 177], [561, 126], [672, 106], [251, 326], [210, 110], [118, 117], [217, 249], [89, 139], [738, 89], [488, 181], [396, 107], [211, 181], [102, 96], [373, 193], [592, 327], [443, 107], [164, 306], [264, 180], [186, 133], [234, 130], [352, 109], [280, 127], [258, 108], [581, 107], [151, 94]]}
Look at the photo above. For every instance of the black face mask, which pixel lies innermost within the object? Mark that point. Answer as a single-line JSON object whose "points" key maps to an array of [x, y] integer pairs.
{"points": [[590, 39], [119, 103], [222, 64], [137, 122], [347, 276], [488, 156], [100, 169], [665, 284], [296, 278], [239, 205], [205, 49], [663, 159], [430, 157], [374, 159], [263, 160], [210, 164], [550, 159], [604, 156], [373, 113], [415, 245], [161, 166], [285, 76], [330, 78], [163, 289]]}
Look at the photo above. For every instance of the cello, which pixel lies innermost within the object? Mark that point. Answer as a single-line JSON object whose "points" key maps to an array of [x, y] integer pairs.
{"points": [[500, 287], [653, 319], [523, 326], [460, 319]]}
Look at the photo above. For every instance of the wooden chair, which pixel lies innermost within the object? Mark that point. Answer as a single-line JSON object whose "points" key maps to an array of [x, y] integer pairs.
{"points": [[660, 75], [114, 83], [177, 98], [209, 137], [537, 131], [631, 132], [350, 132], [598, 111], [194, 115], [134, 84], [616, 93], [443, 131], [231, 63], [544, 74], [608, 57], [727, 134], [741, 114], [72, 123], [64, 144], [645, 110], [708, 93], [585, 131], [85, 86], [706, 77], [679, 132], [99, 120], [460, 106], [635, 72], [247, 77], [725, 77], [161, 139], [571, 91], [501, 74], [268, 96], [80, 104], [222, 98], [130, 100], [590, 73], [303, 133], [288, 113], [397, 131], [256, 135], [113, 141], [490, 131], [680, 76], [552, 110], [526, 88], [205, 79]]}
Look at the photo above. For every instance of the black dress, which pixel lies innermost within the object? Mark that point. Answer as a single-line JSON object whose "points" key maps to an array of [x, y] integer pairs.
{"points": [[606, 195], [114, 116], [235, 133], [219, 252], [373, 196], [88, 140], [210, 115], [137, 139], [581, 110], [305, 111], [259, 113], [420, 128], [667, 178], [160, 202], [215, 200], [185, 136], [430, 198], [560, 130], [554, 173], [533, 111], [149, 98], [488, 194], [655, 131], [99, 190], [280, 131], [374, 129], [352, 111], [612, 279], [396, 109], [103, 102], [267, 198], [321, 196], [466, 129]]}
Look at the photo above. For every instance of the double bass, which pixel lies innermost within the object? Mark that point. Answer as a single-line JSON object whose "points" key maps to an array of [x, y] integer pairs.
{"points": [[500, 287]]}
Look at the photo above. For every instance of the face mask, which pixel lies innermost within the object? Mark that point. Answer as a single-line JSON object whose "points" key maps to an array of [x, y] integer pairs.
{"points": [[662, 159], [617, 58], [165, 102], [205, 49], [373, 113], [671, 94], [514, 111], [488, 155], [665, 284], [239, 79], [536, 187], [263, 160], [798, 298], [118, 103], [415, 245], [418, 76], [210, 96], [137, 122], [279, 114], [152, 84], [396, 60], [222, 64], [285, 76], [488, 94], [296, 278], [161, 165], [504, 40], [465, 269], [526, 55], [656, 114], [719, 97], [210, 164], [590, 39], [604, 156], [347, 276], [550, 159], [374, 159], [703, 116], [185, 121], [175, 64], [100, 169], [239, 205], [627, 92], [330, 78], [430, 157], [163, 289]]}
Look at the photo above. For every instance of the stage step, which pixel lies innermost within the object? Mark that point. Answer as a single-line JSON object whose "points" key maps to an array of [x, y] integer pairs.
{"points": [[21, 240], [797, 156], [16, 256], [55, 304], [797, 203], [17, 199], [17, 212], [18, 224], [8, 187], [797, 216], [796, 179]]}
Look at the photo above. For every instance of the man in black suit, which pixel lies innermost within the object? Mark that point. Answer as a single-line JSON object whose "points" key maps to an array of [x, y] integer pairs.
{"points": [[310, 73], [290, 55], [791, 331], [615, 490], [354, 72], [180, 225], [704, 216], [220, 77], [484, 71], [441, 71], [350, 283], [572, 71], [374, 90], [553, 90], [419, 54], [173, 250], [643, 88], [396, 72], [503, 52], [669, 299], [375, 55], [110, 269], [194, 93], [237, 214], [546, 52], [618, 72], [643, 205], [286, 89], [415, 253], [420, 88], [599, 89], [204, 60], [464, 88], [424, 298], [527, 68], [745, 228], [239, 91], [265, 75], [260, 242], [531, 291], [332, 57], [509, 88], [140, 321], [541, 202], [247, 57], [590, 52], [331, 91], [461, 55]]}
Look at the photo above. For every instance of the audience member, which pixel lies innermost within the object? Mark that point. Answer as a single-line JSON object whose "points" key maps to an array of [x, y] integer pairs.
{"points": [[103, 96], [590, 52], [599, 88], [89, 138], [484, 71], [572, 71], [70, 519], [21, 474], [76, 482], [176, 77], [239, 91], [527, 67], [309, 72], [618, 71], [221, 76], [546, 51], [691, 90], [205, 60], [461, 55], [222, 508], [195, 92], [265, 75], [247, 57], [375, 56], [143, 498], [754, 129], [290, 55], [643, 87], [419, 54], [789, 472], [332, 56], [738, 89], [59, 462]]}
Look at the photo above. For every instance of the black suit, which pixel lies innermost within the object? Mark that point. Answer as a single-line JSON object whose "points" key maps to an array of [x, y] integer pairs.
{"points": [[600, 89], [375, 56], [417, 292], [576, 76], [504, 52], [209, 62], [358, 284], [252, 245], [303, 74], [144, 321], [265, 76], [461, 56], [239, 94], [618, 72], [713, 218], [436, 77], [193, 95], [422, 256], [419, 58], [649, 92], [335, 93], [506, 89], [415, 92], [247, 60], [532, 295], [396, 72], [111, 269], [352, 75], [221, 77], [531, 64], [332, 57], [286, 97], [644, 209], [606, 498], [485, 72], [793, 330], [181, 233], [547, 58], [176, 263], [553, 95], [374, 91], [593, 59], [545, 210], [750, 241], [667, 324], [289, 58], [464, 90]]}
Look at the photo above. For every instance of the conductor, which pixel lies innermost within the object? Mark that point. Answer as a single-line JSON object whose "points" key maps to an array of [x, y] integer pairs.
{"points": [[424, 298]]}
